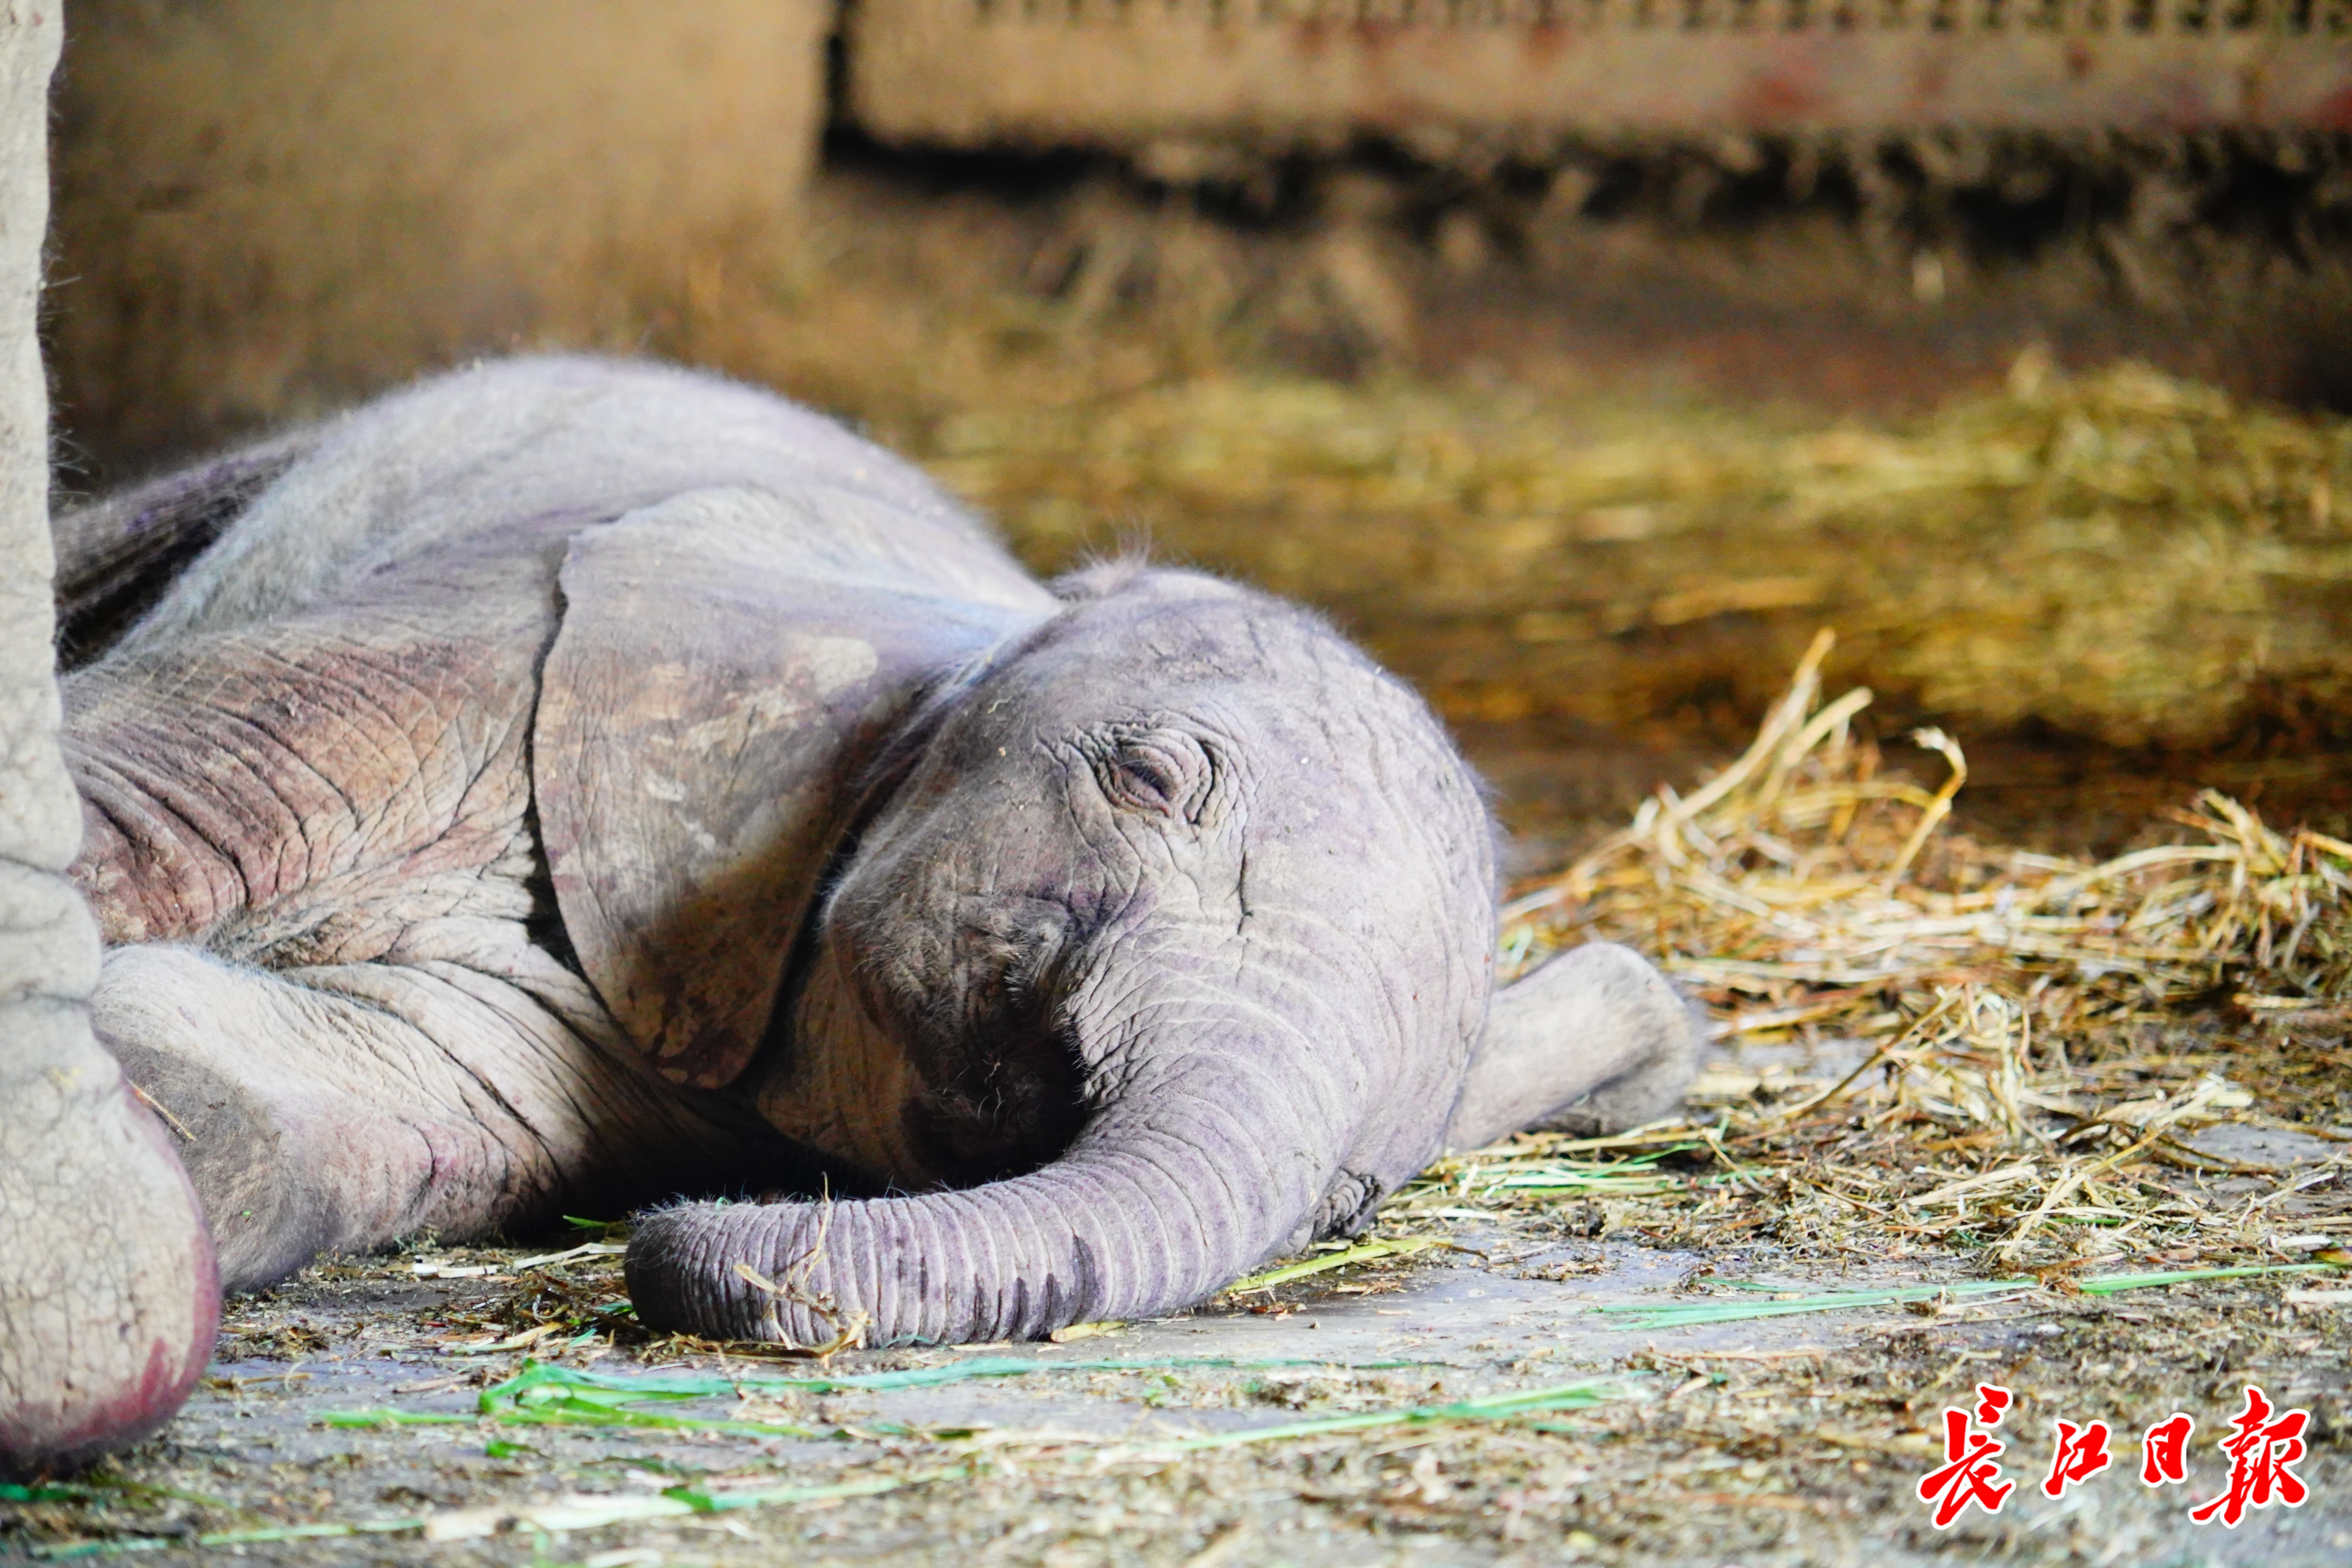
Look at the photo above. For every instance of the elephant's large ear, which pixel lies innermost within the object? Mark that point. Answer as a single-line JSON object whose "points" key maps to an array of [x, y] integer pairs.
{"points": [[729, 662]]}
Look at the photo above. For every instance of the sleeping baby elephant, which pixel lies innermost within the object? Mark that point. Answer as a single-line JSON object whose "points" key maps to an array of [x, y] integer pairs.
{"points": [[571, 784]]}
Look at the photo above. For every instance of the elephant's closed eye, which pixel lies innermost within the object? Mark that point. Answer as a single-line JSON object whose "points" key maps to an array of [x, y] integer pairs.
{"points": [[1161, 771]]}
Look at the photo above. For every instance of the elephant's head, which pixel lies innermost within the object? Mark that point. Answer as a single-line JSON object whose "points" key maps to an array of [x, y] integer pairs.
{"points": [[1175, 936]]}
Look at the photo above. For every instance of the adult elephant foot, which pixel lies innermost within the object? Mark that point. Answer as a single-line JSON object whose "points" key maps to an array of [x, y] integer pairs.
{"points": [[108, 1297]]}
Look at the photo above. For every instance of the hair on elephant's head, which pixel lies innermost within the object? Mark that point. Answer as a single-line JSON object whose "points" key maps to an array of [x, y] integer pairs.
{"points": [[1177, 922]]}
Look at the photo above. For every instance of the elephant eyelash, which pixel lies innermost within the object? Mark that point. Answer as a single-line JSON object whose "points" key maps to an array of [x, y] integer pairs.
{"points": [[1162, 772], [1146, 782]]}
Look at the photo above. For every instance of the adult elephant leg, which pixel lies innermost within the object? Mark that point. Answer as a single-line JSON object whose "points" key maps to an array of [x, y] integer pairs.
{"points": [[108, 1297], [339, 1108], [108, 1305]]}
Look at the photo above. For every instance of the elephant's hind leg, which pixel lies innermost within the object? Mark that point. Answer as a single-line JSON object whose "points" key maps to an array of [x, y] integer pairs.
{"points": [[338, 1109]]}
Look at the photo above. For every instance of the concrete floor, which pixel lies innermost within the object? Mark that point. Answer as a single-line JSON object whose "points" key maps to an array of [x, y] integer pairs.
{"points": [[1790, 1440]]}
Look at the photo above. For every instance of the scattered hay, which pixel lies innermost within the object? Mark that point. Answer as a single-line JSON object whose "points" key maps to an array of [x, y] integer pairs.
{"points": [[1929, 1299], [2124, 556], [541, 1518], [2027, 1041]]}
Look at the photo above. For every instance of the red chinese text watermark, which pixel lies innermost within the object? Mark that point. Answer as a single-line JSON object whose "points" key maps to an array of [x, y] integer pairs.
{"points": [[2081, 1452], [2262, 1449], [2164, 1451], [2262, 1453], [1971, 1470]]}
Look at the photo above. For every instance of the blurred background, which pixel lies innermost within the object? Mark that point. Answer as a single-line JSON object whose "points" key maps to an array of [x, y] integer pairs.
{"points": [[1582, 357]]}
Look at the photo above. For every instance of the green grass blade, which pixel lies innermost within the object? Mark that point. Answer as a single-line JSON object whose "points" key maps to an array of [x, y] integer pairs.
{"points": [[2112, 1283], [1498, 1407], [539, 1382], [1363, 1252], [68, 1550], [873, 1486], [646, 1420], [561, 1514], [1679, 1314], [101, 1489]]}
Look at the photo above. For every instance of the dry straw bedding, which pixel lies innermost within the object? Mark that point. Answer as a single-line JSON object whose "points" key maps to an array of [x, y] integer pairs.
{"points": [[2037, 1039], [2124, 556]]}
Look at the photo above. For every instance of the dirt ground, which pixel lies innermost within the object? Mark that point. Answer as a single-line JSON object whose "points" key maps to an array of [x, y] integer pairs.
{"points": [[1796, 1439]]}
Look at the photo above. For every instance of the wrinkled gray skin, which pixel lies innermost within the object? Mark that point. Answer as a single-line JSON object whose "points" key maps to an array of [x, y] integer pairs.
{"points": [[571, 784], [106, 1300]]}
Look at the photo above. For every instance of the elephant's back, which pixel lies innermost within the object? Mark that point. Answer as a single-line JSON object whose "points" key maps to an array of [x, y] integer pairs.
{"points": [[580, 439]]}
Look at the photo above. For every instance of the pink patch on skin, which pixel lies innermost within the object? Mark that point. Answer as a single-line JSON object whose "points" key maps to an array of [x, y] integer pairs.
{"points": [[137, 1410], [142, 1407]]}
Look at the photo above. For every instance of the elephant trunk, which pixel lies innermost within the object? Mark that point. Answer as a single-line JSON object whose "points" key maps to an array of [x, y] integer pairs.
{"points": [[1178, 1187]]}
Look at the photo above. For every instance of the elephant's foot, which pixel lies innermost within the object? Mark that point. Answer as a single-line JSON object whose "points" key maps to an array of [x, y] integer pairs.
{"points": [[107, 1299], [1595, 1041]]}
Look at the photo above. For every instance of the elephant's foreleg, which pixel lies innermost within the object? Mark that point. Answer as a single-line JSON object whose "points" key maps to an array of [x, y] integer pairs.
{"points": [[341, 1108], [1595, 1041]]}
